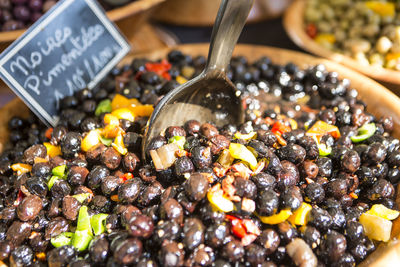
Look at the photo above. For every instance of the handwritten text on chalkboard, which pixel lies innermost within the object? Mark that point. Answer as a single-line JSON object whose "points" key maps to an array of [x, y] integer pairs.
{"points": [[72, 47]]}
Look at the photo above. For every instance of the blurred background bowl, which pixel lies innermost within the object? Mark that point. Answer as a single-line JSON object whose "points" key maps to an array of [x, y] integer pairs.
{"points": [[294, 26], [203, 12]]}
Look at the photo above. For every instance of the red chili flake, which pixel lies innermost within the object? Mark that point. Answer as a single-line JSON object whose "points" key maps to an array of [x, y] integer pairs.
{"points": [[238, 228], [280, 128], [48, 133], [311, 30], [160, 68], [125, 177]]}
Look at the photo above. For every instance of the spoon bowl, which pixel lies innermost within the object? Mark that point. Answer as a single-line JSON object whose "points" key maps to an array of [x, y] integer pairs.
{"points": [[211, 96]]}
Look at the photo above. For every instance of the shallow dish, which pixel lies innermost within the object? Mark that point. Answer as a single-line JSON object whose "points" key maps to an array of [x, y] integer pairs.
{"points": [[294, 26], [380, 102]]}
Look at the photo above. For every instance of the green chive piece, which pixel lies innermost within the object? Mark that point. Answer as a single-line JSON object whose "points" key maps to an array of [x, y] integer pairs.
{"points": [[324, 150], [62, 239], [364, 132], [103, 107], [59, 170], [52, 181], [81, 197], [98, 223], [106, 141], [179, 140], [81, 240], [83, 223]]}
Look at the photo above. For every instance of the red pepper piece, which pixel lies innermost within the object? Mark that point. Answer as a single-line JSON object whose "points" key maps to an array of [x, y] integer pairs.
{"points": [[161, 68], [280, 128], [311, 30], [48, 133], [238, 228], [125, 177]]}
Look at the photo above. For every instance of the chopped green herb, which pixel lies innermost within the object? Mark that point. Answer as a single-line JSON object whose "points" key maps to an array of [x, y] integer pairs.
{"points": [[106, 141], [103, 107], [364, 132], [81, 197], [98, 223], [59, 170], [62, 239], [179, 140]]}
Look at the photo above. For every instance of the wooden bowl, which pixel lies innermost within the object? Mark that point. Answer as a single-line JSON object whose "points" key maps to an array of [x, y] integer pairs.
{"points": [[380, 102], [294, 25], [203, 12], [127, 18]]}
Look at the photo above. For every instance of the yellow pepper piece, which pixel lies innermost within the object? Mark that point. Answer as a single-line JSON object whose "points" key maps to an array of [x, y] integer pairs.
{"points": [[142, 111], [320, 128], [375, 227], [181, 80], [381, 8], [119, 144], [111, 119], [282, 216], [21, 168], [120, 101], [251, 135], [111, 131], [325, 37], [392, 56], [225, 159], [124, 113], [299, 216], [91, 139], [239, 151], [217, 199], [383, 212], [52, 151]]}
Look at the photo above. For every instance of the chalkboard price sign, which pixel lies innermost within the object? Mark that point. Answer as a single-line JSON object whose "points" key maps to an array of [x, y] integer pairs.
{"points": [[73, 46]]}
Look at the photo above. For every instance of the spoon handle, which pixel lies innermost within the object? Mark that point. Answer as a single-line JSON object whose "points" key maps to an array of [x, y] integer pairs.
{"points": [[231, 17]]}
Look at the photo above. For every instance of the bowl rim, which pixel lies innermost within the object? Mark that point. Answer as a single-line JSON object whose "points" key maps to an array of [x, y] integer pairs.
{"points": [[385, 254], [293, 22]]}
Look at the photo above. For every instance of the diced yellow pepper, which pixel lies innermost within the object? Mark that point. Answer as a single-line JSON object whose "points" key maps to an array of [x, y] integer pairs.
{"points": [[111, 131], [320, 128], [52, 150], [120, 101], [124, 113], [111, 119], [21, 168], [188, 71], [91, 139], [282, 216], [325, 37], [392, 56], [375, 227], [383, 9], [142, 111], [239, 151], [299, 216], [383, 212], [118, 144], [225, 159], [251, 135], [218, 200], [181, 79]]}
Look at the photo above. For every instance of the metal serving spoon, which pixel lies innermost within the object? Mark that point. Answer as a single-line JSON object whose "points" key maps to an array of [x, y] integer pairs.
{"points": [[211, 96]]}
